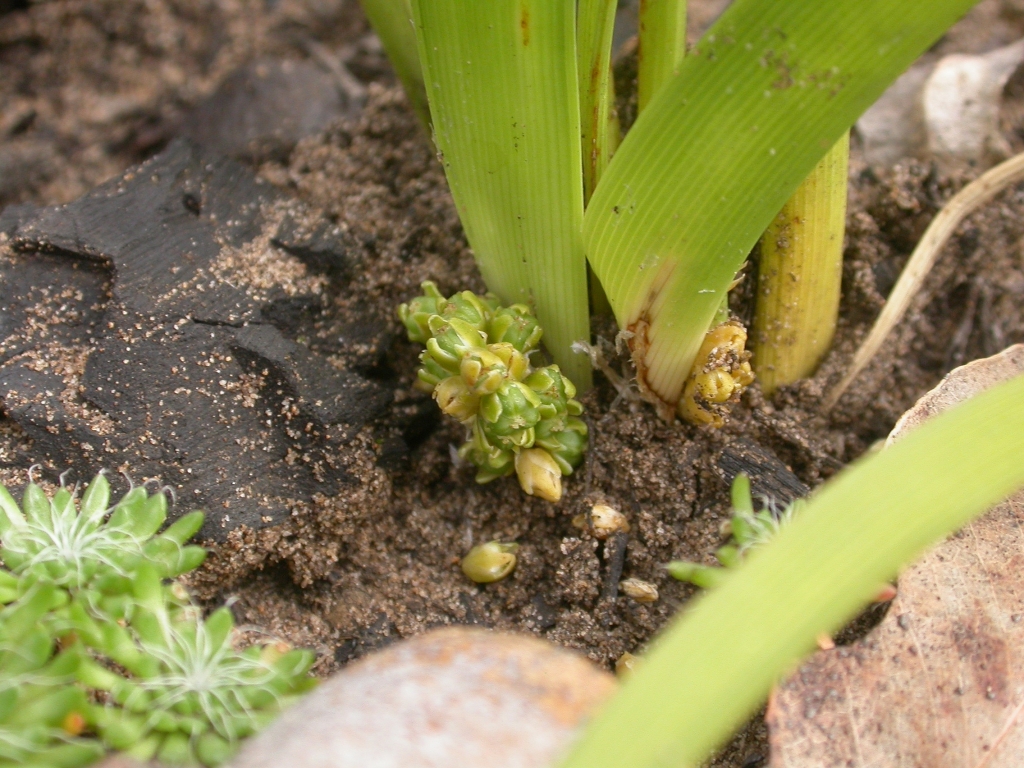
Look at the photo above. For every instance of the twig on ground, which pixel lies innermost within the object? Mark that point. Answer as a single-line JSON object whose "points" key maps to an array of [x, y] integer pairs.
{"points": [[965, 202]]}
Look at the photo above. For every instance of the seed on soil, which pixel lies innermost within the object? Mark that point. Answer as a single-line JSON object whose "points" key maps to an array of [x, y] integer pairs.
{"points": [[626, 665], [640, 590], [604, 521], [493, 561]]}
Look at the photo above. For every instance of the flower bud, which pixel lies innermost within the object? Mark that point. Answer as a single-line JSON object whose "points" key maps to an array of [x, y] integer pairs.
{"points": [[430, 373], [451, 341], [491, 461], [507, 417], [539, 474], [486, 369], [516, 325], [555, 393], [456, 399], [493, 561], [566, 446], [469, 308], [416, 313]]}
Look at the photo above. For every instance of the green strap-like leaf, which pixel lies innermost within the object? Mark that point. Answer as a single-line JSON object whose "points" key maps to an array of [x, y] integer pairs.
{"points": [[501, 81], [392, 21], [717, 663], [721, 147], [595, 25], [661, 44]]}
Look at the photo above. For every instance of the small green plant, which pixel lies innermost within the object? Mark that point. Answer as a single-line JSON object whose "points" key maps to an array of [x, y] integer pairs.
{"points": [[90, 549], [185, 693], [41, 712], [747, 529], [139, 669], [476, 362]]}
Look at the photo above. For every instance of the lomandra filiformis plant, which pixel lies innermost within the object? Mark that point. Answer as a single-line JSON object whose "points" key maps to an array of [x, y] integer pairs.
{"points": [[476, 363], [140, 670]]}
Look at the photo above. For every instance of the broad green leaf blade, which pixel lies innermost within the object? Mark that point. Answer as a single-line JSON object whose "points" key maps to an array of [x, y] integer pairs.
{"points": [[392, 21], [714, 666], [720, 149], [501, 80]]}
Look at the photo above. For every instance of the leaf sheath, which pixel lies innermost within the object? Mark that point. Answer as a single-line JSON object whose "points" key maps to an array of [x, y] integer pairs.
{"points": [[799, 275]]}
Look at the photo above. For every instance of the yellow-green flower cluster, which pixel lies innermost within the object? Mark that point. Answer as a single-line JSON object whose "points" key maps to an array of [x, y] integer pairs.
{"points": [[476, 362]]}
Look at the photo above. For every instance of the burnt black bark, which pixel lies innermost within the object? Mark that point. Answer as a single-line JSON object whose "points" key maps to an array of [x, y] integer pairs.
{"points": [[198, 369]]}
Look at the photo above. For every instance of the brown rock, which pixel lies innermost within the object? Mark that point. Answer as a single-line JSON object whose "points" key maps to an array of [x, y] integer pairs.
{"points": [[450, 698]]}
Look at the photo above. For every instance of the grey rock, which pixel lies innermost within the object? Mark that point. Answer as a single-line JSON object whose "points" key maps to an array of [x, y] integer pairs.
{"points": [[261, 110]]}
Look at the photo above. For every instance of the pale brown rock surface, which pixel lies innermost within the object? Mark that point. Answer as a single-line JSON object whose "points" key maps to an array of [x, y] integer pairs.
{"points": [[451, 698], [940, 682]]}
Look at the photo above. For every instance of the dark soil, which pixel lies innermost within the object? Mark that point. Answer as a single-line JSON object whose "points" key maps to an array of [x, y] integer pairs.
{"points": [[363, 548]]}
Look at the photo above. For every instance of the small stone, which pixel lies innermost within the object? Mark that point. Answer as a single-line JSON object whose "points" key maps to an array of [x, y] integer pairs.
{"points": [[626, 665], [640, 590], [604, 521]]}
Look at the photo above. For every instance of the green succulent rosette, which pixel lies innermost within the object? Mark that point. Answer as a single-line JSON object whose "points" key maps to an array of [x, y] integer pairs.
{"points": [[42, 713], [90, 547], [476, 364], [100, 650], [186, 695]]}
